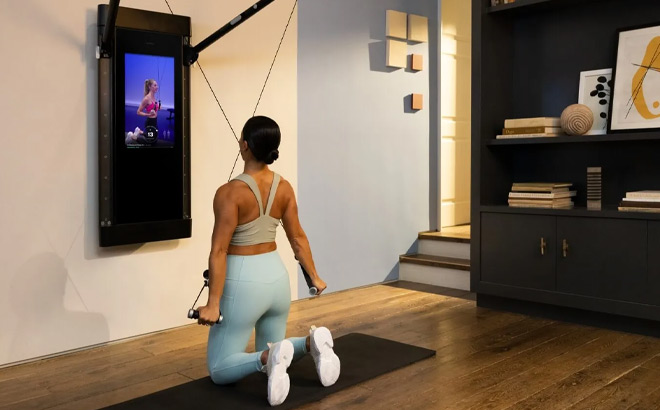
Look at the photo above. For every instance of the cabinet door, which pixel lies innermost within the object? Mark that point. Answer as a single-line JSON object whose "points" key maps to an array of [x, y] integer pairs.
{"points": [[518, 250], [604, 258], [654, 263]]}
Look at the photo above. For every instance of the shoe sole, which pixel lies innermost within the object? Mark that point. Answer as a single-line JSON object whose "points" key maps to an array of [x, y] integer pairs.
{"points": [[278, 381], [328, 366]]}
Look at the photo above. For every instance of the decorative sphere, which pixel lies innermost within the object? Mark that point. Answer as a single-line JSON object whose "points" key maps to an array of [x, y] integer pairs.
{"points": [[577, 119]]}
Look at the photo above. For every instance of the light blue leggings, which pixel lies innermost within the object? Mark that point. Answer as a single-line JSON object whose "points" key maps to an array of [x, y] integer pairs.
{"points": [[256, 296]]}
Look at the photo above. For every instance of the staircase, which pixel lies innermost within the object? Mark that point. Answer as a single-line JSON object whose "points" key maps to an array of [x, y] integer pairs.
{"points": [[443, 260]]}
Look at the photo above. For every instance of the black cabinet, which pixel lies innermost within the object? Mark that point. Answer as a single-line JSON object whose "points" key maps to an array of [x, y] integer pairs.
{"points": [[604, 258], [615, 259], [518, 250]]}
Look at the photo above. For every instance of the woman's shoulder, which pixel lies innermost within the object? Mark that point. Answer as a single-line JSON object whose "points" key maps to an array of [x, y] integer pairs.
{"points": [[284, 183]]}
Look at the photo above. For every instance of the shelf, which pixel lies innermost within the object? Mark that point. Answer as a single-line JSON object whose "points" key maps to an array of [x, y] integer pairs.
{"points": [[606, 212], [529, 5], [516, 5], [568, 139]]}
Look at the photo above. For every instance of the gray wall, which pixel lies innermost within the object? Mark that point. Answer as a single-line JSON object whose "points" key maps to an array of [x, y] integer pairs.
{"points": [[366, 163]]}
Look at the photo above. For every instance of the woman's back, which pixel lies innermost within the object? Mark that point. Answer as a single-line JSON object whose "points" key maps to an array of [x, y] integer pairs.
{"points": [[248, 207], [248, 225]]}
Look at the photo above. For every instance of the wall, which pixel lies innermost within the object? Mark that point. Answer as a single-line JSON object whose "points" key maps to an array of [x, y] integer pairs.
{"points": [[58, 290], [365, 172], [455, 82]]}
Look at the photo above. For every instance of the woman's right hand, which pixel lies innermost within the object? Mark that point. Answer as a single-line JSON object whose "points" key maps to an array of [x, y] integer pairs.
{"points": [[319, 284], [208, 315], [153, 114]]}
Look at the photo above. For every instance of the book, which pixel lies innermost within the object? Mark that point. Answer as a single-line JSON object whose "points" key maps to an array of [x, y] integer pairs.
{"points": [[640, 204], [569, 206], [647, 194], [500, 136], [634, 209], [548, 187], [532, 130], [542, 184], [644, 200], [563, 201], [532, 122], [542, 195]]}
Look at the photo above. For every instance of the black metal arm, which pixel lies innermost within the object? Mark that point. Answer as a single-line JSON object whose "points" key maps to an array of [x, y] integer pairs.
{"points": [[190, 54]]}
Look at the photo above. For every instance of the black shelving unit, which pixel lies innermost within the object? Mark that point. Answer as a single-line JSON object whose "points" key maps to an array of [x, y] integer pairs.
{"points": [[527, 59]]}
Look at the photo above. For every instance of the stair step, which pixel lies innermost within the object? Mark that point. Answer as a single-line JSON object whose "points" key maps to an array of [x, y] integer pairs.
{"points": [[444, 237], [436, 261]]}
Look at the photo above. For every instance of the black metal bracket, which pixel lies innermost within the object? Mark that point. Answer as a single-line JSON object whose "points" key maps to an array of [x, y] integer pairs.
{"points": [[106, 40]]}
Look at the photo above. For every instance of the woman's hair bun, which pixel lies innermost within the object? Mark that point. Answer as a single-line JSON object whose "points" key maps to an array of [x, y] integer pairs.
{"points": [[272, 156]]}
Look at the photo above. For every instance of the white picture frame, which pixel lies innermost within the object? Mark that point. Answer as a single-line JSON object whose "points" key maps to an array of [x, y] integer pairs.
{"points": [[595, 93], [635, 101]]}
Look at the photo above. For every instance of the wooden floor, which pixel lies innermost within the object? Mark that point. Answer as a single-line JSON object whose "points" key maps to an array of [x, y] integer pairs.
{"points": [[485, 359]]}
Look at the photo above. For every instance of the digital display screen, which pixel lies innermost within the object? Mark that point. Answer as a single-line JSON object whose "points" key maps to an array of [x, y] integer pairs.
{"points": [[149, 101], [148, 149]]}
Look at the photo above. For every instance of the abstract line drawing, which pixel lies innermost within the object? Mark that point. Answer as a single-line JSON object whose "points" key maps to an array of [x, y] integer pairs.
{"points": [[650, 62]]}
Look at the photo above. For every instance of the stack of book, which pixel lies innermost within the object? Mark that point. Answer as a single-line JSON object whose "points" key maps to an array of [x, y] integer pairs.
{"points": [[641, 201], [541, 195], [531, 128], [594, 188]]}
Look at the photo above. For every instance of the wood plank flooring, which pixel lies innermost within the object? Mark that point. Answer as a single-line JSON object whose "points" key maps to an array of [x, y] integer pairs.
{"points": [[485, 359]]}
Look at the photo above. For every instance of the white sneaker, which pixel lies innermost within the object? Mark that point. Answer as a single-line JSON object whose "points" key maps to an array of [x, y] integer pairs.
{"points": [[280, 355], [327, 363]]}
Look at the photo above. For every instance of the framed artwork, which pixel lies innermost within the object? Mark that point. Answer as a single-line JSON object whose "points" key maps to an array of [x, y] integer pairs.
{"points": [[595, 91], [636, 96]]}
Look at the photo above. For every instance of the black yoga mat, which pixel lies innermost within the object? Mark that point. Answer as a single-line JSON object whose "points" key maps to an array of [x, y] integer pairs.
{"points": [[362, 357]]}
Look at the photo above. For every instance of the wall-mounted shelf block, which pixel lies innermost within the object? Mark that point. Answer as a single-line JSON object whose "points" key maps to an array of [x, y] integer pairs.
{"points": [[417, 101], [418, 28], [397, 53], [416, 62], [396, 24]]}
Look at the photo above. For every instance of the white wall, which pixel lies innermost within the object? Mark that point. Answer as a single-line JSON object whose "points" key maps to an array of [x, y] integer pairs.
{"points": [[58, 290], [365, 171]]}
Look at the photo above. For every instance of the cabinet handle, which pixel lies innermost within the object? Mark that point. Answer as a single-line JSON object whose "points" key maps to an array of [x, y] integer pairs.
{"points": [[564, 247], [543, 244]]}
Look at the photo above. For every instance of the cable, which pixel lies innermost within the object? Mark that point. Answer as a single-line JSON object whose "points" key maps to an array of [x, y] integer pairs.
{"points": [[275, 58], [262, 88], [168, 6], [216, 99]]}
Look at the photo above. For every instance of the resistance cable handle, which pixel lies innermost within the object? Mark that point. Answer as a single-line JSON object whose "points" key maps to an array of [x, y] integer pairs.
{"points": [[193, 313], [313, 291]]}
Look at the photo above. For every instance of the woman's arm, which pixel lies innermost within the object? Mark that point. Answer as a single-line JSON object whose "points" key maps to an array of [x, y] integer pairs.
{"points": [[297, 237], [140, 110], [226, 220]]}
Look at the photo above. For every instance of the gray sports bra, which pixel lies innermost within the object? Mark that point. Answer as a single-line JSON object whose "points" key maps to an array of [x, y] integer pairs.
{"points": [[262, 229]]}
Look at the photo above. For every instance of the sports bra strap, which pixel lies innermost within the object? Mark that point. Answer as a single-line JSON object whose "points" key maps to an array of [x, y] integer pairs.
{"points": [[273, 190], [254, 187]]}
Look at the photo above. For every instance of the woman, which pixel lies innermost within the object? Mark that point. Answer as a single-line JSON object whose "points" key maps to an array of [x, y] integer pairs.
{"points": [[148, 108], [248, 281]]}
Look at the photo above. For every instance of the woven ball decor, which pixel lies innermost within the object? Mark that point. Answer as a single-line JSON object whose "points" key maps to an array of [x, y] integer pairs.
{"points": [[577, 119]]}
